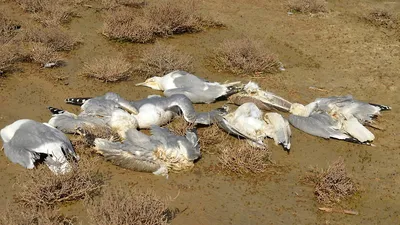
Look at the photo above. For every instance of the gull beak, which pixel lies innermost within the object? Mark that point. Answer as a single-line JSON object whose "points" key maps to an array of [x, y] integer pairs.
{"points": [[141, 84], [128, 107], [2, 148]]}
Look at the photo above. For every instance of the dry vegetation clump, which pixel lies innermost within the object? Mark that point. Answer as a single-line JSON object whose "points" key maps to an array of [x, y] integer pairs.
{"points": [[161, 59], [179, 126], [382, 18], [10, 53], [332, 185], [18, 215], [210, 138], [177, 17], [159, 19], [244, 56], [125, 25], [112, 4], [50, 12], [108, 69], [307, 6], [54, 37], [44, 55], [41, 188], [127, 206], [240, 158], [8, 28]]}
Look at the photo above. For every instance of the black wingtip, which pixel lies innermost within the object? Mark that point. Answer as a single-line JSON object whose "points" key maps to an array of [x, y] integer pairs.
{"points": [[382, 107], [55, 110], [76, 101]]}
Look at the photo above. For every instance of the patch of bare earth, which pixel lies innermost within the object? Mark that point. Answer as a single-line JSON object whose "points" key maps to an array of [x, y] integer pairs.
{"points": [[307, 6], [19, 215], [381, 18]]}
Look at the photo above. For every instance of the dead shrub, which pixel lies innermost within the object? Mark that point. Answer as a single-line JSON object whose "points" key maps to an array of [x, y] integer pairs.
{"points": [[18, 215], [49, 12], [244, 56], [112, 4], [10, 53], [179, 126], [240, 158], [124, 25], [161, 59], [41, 188], [44, 55], [56, 37], [381, 18], [127, 206], [331, 185], [159, 19], [176, 17], [211, 138], [307, 6], [108, 69], [8, 28]]}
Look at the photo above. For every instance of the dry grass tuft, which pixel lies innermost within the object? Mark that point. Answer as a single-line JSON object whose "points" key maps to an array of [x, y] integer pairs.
{"points": [[244, 56], [10, 53], [49, 12], [381, 18], [240, 158], [18, 215], [108, 69], [44, 55], [332, 185], [307, 6], [56, 38], [210, 138], [41, 188], [159, 19], [112, 4], [8, 28], [127, 206], [161, 59], [125, 25], [179, 126]]}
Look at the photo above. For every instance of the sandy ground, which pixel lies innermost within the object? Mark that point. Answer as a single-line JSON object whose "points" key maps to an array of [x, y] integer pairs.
{"points": [[337, 51]]}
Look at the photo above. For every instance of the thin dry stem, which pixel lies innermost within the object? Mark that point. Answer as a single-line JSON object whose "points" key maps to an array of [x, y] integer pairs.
{"points": [[244, 56], [8, 28], [127, 206], [109, 69], [161, 59]]}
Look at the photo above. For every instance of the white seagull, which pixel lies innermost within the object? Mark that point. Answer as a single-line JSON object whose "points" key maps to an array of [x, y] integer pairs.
{"points": [[27, 142], [337, 117], [248, 122], [196, 89], [159, 153]]}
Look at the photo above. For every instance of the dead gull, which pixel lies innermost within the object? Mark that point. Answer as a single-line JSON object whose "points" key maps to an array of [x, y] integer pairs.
{"points": [[26, 142], [343, 114], [159, 153], [264, 100], [196, 89], [248, 122]]}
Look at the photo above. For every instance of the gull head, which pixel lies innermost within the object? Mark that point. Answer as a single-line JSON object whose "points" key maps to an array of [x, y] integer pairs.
{"points": [[153, 83]]}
